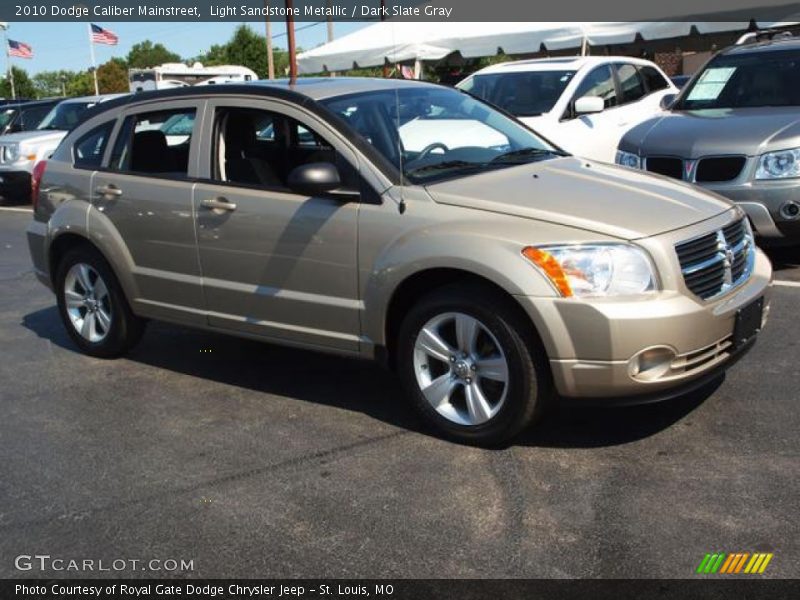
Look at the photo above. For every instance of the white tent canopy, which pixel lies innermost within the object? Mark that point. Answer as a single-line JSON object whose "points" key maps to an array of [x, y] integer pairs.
{"points": [[407, 41]]}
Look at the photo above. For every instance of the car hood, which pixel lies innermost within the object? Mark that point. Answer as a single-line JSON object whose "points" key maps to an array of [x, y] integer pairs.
{"points": [[694, 134], [596, 197], [36, 136]]}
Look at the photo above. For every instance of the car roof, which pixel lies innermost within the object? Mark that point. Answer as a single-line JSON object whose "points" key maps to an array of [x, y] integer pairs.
{"points": [[31, 103], [774, 45], [571, 63], [305, 88], [89, 99]]}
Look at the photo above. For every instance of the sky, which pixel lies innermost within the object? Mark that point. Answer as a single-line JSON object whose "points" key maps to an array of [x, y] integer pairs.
{"points": [[66, 45]]}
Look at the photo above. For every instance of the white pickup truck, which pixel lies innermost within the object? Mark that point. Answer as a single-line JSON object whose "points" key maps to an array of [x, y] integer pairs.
{"points": [[19, 152]]}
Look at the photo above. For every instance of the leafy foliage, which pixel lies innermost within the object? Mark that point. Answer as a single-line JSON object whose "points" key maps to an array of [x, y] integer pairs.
{"points": [[112, 77], [247, 49], [23, 86], [146, 54]]}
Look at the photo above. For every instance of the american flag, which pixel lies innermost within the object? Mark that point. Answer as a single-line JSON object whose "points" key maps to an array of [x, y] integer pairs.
{"points": [[19, 49], [103, 36]]}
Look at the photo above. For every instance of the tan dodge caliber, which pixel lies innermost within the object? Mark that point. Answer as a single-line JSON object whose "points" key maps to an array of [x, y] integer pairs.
{"points": [[401, 221]]}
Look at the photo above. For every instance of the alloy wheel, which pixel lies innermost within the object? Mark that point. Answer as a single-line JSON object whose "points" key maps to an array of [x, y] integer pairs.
{"points": [[461, 368], [87, 302]]}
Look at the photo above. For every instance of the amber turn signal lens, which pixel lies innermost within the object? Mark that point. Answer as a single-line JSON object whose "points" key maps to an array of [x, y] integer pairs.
{"points": [[547, 263]]}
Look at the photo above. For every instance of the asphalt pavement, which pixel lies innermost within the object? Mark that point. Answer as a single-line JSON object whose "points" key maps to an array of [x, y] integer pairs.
{"points": [[253, 460]]}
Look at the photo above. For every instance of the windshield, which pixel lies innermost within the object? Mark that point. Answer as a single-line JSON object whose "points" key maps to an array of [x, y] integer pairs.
{"points": [[64, 116], [745, 81], [6, 115], [433, 133], [523, 94]]}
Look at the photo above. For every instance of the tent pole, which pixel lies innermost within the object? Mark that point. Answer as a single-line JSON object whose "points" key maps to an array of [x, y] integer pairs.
{"points": [[383, 18]]}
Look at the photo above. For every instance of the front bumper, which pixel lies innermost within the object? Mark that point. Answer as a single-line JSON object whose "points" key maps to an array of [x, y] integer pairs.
{"points": [[15, 184], [591, 343], [763, 202]]}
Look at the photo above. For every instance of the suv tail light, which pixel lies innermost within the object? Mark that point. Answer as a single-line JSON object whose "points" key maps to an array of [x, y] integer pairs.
{"points": [[36, 180]]}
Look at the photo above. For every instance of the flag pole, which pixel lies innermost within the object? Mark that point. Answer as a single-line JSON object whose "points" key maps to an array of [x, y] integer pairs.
{"points": [[9, 68], [94, 64]]}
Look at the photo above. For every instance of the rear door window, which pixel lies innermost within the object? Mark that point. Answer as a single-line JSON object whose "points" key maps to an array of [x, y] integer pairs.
{"points": [[631, 84], [653, 79], [155, 143]]}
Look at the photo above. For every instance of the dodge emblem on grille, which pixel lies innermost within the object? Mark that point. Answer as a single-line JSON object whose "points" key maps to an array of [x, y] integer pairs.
{"points": [[725, 248]]}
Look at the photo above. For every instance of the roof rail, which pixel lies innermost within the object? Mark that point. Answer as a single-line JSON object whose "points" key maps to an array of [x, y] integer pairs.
{"points": [[763, 35]]}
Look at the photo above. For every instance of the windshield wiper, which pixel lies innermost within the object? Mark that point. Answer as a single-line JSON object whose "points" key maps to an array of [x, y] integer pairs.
{"points": [[448, 164], [525, 153]]}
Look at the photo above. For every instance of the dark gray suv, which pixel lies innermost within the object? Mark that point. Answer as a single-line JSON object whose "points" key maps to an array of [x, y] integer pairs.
{"points": [[734, 129]]}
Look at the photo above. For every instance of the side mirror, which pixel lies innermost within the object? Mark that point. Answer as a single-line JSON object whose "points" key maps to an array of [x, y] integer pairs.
{"points": [[589, 104], [667, 101], [313, 179]]}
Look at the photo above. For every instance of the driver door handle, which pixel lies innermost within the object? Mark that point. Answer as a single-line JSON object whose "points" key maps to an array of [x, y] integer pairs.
{"points": [[218, 203]]}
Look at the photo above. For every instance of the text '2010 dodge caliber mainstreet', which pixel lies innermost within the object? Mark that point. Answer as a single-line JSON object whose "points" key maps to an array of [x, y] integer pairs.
{"points": [[493, 271]]}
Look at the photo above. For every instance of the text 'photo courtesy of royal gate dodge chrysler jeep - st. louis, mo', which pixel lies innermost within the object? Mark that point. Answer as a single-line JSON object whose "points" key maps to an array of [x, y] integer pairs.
{"points": [[495, 272]]}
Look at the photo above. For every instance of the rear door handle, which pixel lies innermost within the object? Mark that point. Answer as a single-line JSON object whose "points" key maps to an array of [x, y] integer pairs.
{"points": [[218, 204], [108, 190]]}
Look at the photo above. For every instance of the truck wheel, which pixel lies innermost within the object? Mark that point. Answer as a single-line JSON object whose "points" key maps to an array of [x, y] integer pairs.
{"points": [[471, 366]]}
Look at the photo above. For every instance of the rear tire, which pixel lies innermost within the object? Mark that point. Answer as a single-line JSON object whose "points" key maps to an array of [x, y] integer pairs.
{"points": [[93, 307], [472, 365]]}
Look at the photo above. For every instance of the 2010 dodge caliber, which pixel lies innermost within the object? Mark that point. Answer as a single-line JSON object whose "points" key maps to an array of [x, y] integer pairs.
{"points": [[401, 221]]}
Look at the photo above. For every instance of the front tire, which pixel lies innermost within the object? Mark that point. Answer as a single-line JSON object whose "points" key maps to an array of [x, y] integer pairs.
{"points": [[472, 366], [93, 307]]}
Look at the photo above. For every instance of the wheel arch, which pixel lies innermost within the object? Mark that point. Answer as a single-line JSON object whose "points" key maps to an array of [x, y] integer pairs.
{"points": [[422, 283]]}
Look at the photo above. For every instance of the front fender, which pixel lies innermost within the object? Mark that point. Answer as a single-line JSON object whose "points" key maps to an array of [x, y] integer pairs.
{"points": [[485, 248]]}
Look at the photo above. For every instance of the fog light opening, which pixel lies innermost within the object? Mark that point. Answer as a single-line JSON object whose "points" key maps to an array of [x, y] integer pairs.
{"points": [[790, 210], [651, 364]]}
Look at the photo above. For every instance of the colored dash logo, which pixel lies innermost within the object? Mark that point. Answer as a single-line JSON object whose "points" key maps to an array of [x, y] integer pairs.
{"points": [[735, 562]]}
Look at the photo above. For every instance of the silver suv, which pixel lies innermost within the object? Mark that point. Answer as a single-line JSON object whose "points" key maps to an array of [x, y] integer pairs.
{"points": [[399, 221], [734, 129]]}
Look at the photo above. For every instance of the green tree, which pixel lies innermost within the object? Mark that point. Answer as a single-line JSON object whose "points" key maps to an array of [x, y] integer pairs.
{"points": [[146, 54], [247, 49], [81, 85], [23, 86], [112, 77], [49, 83]]}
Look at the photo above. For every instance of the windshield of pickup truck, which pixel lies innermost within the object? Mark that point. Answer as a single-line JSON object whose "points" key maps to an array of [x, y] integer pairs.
{"points": [[6, 115], [433, 133], [64, 116], [756, 79]]}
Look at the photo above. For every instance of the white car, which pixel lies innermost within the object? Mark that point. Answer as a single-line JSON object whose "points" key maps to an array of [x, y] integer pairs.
{"points": [[19, 152], [585, 104]]}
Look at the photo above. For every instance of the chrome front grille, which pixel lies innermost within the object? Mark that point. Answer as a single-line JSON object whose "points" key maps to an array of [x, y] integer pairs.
{"points": [[716, 262]]}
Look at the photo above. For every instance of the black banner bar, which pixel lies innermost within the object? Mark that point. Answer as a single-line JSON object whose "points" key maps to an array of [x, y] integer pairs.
{"points": [[399, 10], [718, 588]]}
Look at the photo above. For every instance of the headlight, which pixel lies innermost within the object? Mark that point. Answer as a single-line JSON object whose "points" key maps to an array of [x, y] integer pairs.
{"points": [[628, 159], [595, 269], [779, 165], [12, 153]]}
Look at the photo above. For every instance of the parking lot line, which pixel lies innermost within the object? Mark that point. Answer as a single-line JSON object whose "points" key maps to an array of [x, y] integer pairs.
{"points": [[787, 283], [16, 209]]}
